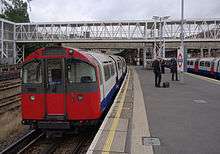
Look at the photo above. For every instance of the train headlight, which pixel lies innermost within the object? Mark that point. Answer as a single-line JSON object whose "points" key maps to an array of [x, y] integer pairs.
{"points": [[32, 98], [80, 98], [71, 51]]}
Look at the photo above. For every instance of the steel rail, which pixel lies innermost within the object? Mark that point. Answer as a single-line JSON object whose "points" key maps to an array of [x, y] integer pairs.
{"points": [[23, 143]]}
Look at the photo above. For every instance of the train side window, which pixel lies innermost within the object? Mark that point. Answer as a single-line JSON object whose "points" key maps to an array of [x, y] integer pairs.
{"points": [[119, 65], [106, 72], [207, 64], [81, 72], [32, 72], [100, 75], [188, 62], [196, 63], [201, 63], [112, 69], [5, 70], [213, 64]]}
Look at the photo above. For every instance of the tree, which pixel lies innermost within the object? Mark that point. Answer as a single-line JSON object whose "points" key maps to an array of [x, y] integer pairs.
{"points": [[15, 10]]}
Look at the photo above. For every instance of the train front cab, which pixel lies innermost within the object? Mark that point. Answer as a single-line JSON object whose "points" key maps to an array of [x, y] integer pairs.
{"points": [[56, 93]]}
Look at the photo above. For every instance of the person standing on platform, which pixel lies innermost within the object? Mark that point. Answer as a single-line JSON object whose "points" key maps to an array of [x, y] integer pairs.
{"points": [[163, 66], [157, 72], [174, 69]]}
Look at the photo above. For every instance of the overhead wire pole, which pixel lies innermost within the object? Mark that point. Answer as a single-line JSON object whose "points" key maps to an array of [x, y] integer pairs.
{"points": [[182, 43], [161, 34]]}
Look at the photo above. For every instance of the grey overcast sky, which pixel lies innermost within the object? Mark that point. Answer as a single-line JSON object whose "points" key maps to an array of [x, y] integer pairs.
{"points": [[84, 10]]}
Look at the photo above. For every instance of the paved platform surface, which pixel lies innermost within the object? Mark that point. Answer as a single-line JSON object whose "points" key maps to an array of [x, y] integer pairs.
{"points": [[185, 117], [114, 134]]}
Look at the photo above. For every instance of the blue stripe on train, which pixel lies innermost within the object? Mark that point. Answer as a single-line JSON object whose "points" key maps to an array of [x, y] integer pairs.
{"points": [[190, 70], [217, 75], [111, 95], [205, 73]]}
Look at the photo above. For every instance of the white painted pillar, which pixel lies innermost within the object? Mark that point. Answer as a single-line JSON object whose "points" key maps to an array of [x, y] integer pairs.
{"points": [[138, 57], [14, 47], [155, 51], [2, 38], [209, 52], [201, 53], [144, 57]]}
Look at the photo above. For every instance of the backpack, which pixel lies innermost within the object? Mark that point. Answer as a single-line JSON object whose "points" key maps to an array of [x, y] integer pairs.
{"points": [[166, 84]]}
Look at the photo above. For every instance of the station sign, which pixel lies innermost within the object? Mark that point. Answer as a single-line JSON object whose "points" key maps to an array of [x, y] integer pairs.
{"points": [[180, 60]]}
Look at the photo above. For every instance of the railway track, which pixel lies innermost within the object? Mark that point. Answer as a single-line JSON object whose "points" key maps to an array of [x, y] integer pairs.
{"points": [[24, 142], [9, 84], [9, 103], [36, 142], [9, 95]]}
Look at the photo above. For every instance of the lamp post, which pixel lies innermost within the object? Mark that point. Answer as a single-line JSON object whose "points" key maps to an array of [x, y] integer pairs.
{"points": [[162, 47]]}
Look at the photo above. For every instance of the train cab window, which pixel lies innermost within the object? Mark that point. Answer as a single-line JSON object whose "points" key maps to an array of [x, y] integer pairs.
{"points": [[54, 70], [32, 72], [80, 72]]}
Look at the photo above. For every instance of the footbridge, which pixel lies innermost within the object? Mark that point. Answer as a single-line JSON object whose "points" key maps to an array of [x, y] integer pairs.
{"points": [[105, 34]]}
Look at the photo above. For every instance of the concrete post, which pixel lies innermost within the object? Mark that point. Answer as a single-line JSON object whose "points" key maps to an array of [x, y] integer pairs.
{"points": [[138, 57], [14, 47], [201, 53], [209, 52], [2, 38], [155, 51], [144, 57]]}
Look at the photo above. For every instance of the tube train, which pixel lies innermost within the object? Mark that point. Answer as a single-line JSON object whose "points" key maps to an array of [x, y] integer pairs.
{"points": [[209, 67], [63, 88]]}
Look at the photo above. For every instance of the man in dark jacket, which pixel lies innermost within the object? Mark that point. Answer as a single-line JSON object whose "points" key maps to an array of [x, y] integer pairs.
{"points": [[157, 72], [163, 66], [173, 69]]}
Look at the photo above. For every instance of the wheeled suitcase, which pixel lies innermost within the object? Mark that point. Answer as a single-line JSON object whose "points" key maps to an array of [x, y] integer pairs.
{"points": [[166, 84]]}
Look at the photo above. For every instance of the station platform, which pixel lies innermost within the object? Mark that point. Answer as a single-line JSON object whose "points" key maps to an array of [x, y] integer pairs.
{"points": [[182, 119]]}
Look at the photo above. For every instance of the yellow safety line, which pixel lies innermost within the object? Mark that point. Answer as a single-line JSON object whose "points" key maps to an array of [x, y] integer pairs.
{"points": [[115, 122], [204, 78]]}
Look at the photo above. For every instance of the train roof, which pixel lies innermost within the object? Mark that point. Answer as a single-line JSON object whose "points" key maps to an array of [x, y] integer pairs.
{"points": [[60, 52], [101, 57]]}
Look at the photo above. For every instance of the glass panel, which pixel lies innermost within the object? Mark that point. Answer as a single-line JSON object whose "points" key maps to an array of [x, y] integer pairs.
{"points": [[32, 72], [106, 72], [54, 70], [207, 64], [81, 72], [202, 63], [112, 70]]}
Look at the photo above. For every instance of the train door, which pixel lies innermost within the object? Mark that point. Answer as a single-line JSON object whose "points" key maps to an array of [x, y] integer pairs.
{"points": [[101, 82], [218, 70], [212, 69], [116, 68], [55, 89], [197, 66]]}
